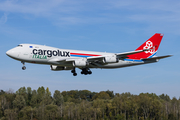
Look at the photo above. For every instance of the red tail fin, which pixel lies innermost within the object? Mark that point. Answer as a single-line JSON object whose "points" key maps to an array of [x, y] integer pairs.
{"points": [[152, 43]]}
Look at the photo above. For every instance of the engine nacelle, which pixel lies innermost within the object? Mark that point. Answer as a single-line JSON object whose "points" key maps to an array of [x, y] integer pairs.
{"points": [[59, 68], [110, 59], [80, 63]]}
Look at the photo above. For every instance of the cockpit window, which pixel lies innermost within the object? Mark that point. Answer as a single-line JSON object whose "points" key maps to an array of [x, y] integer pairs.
{"points": [[20, 45]]}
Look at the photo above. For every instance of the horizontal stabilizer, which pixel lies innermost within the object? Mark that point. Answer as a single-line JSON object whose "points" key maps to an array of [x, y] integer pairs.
{"points": [[159, 57]]}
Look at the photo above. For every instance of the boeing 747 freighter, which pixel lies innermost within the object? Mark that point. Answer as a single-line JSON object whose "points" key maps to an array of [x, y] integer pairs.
{"points": [[65, 59]]}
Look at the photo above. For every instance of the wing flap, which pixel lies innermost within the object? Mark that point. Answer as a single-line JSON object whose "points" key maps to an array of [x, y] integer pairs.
{"points": [[98, 58]]}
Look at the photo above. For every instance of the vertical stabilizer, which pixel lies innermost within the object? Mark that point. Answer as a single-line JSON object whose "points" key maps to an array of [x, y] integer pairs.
{"points": [[152, 43]]}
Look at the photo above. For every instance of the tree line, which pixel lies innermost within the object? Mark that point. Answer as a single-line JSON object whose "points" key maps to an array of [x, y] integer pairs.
{"points": [[28, 104]]}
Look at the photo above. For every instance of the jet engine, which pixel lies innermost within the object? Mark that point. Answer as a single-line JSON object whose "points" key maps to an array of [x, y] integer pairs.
{"points": [[59, 68], [80, 63], [110, 59]]}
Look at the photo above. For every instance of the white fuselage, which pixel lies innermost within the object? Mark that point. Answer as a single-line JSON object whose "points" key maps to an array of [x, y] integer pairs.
{"points": [[41, 54]]}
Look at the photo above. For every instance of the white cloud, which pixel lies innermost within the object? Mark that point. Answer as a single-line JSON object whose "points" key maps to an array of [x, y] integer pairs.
{"points": [[3, 19], [38, 7], [156, 15], [76, 12]]}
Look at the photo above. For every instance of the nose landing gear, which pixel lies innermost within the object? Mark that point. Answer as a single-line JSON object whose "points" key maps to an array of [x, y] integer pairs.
{"points": [[24, 67]]}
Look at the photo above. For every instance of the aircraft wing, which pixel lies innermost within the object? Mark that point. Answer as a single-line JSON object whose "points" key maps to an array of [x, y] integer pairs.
{"points": [[57, 60], [96, 58], [119, 55], [90, 59], [124, 55], [62, 59]]}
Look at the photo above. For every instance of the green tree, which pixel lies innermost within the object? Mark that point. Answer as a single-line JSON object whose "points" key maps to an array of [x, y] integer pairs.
{"points": [[9, 99], [69, 110], [47, 99], [164, 97], [111, 93], [40, 94], [34, 99], [23, 92], [99, 108], [19, 102], [101, 95], [85, 110], [29, 95], [11, 114], [144, 103], [51, 111], [85, 95], [175, 105], [117, 104], [2, 92], [27, 113], [58, 98]]}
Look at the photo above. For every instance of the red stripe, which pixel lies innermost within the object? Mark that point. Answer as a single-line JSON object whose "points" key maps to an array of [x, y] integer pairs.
{"points": [[84, 54]]}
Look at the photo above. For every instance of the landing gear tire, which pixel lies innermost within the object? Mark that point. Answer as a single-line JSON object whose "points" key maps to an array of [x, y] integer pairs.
{"points": [[23, 68], [86, 71], [89, 72], [74, 74], [73, 71]]}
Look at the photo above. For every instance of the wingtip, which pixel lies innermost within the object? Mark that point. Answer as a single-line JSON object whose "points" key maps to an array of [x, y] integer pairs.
{"points": [[170, 55]]}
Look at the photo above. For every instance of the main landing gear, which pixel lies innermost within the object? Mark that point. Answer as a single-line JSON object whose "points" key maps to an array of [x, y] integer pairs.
{"points": [[24, 67], [74, 72], [86, 71]]}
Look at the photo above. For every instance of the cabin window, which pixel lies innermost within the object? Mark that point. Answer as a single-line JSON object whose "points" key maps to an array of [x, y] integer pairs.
{"points": [[20, 45]]}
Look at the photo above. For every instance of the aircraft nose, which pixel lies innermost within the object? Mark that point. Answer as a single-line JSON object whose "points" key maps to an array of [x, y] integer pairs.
{"points": [[10, 53]]}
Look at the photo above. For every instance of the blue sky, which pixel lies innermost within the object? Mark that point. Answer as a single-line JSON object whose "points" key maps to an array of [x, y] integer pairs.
{"points": [[103, 25]]}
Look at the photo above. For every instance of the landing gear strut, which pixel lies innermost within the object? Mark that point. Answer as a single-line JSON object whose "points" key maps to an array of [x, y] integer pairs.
{"points": [[24, 67], [74, 72], [86, 71]]}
